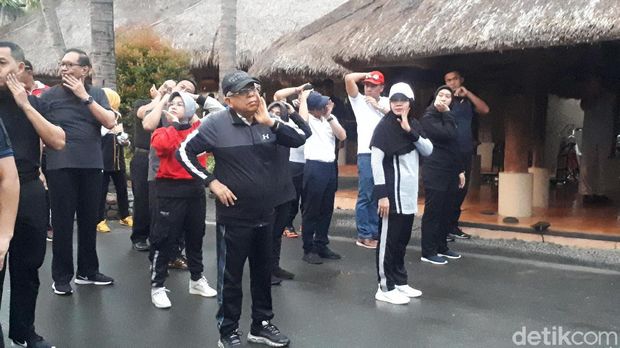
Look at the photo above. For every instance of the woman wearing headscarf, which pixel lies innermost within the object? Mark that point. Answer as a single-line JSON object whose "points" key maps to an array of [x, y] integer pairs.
{"points": [[181, 202], [395, 144], [443, 176]]}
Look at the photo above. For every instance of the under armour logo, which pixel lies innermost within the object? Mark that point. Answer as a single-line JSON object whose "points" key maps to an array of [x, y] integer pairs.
{"points": [[265, 136]]}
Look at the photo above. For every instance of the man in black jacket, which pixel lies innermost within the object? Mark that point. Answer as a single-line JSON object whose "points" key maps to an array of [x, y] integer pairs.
{"points": [[26, 127], [244, 140]]}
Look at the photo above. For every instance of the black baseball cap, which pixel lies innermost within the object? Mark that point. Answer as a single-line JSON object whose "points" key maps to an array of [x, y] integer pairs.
{"points": [[234, 81]]}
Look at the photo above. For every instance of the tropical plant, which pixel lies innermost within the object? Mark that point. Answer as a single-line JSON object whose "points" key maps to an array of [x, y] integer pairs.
{"points": [[144, 59]]}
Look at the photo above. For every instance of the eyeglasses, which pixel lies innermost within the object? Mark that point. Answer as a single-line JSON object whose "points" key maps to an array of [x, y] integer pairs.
{"points": [[245, 91], [67, 65]]}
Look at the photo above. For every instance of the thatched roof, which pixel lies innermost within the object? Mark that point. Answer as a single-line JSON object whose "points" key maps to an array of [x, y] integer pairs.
{"points": [[397, 32], [189, 24]]}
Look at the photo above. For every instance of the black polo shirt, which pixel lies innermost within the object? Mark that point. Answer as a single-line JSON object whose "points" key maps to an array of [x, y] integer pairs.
{"points": [[141, 138], [23, 137], [82, 129]]}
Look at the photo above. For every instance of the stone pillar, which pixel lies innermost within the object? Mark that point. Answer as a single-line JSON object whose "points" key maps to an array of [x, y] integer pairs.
{"points": [[540, 189], [515, 183]]}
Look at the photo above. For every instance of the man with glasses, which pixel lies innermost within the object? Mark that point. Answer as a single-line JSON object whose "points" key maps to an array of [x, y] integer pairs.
{"points": [[368, 108], [75, 173], [243, 139]]}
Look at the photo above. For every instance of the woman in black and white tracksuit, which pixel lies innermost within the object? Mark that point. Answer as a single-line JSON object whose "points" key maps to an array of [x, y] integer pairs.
{"points": [[395, 145]]}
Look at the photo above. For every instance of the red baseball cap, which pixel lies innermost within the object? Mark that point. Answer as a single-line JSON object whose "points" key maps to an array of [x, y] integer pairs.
{"points": [[375, 77]]}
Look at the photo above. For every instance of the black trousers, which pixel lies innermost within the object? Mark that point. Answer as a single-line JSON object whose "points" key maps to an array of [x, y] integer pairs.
{"points": [[318, 193], [466, 157], [235, 244], [26, 255], [297, 171], [439, 205], [120, 183], [154, 212], [394, 235], [177, 216], [74, 191], [139, 185], [281, 217]]}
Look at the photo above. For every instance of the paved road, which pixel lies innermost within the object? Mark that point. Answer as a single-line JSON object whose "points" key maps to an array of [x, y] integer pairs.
{"points": [[479, 301]]}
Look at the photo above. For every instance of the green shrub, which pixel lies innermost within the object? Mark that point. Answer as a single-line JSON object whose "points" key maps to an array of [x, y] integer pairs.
{"points": [[144, 59]]}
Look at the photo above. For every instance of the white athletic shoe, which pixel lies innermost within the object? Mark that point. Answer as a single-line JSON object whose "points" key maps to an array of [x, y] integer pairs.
{"points": [[160, 298], [408, 291], [201, 287], [393, 297]]}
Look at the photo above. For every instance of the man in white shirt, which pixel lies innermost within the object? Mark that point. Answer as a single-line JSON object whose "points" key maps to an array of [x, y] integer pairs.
{"points": [[320, 180], [368, 108]]}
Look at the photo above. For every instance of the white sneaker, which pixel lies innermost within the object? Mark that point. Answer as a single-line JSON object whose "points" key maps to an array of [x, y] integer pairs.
{"points": [[160, 298], [408, 291], [393, 297], [201, 287]]}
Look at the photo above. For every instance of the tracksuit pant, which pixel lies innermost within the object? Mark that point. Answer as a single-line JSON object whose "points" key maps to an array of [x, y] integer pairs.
{"points": [[139, 185], [297, 174], [317, 203], [279, 222], [25, 257], [235, 244], [153, 204], [394, 235], [120, 183], [74, 191], [177, 216], [460, 194], [436, 224]]}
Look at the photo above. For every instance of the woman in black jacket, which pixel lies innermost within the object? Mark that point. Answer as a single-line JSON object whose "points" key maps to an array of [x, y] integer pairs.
{"points": [[443, 176]]}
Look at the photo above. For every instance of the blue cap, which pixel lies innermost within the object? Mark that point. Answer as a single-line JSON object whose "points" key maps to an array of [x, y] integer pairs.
{"points": [[317, 101]]}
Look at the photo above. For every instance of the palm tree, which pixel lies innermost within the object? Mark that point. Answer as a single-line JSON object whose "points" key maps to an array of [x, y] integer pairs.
{"points": [[48, 8], [102, 37], [228, 39]]}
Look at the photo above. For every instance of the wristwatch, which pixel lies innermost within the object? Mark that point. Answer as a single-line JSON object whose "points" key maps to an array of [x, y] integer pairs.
{"points": [[88, 100], [329, 119]]}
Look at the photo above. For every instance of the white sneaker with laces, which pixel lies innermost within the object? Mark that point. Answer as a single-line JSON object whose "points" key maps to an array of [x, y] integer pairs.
{"points": [[393, 297], [201, 287], [160, 298], [408, 291]]}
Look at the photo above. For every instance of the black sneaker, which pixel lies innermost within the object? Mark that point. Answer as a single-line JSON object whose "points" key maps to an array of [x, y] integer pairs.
{"points": [[140, 246], [97, 279], [459, 234], [327, 253], [450, 254], [267, 333], [233, 339], [449, 238], [312, 258], [283, 274], [35, 342], [275, 280], [62, 289]]}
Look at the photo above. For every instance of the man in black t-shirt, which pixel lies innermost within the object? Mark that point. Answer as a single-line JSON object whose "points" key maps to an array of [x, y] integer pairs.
{"points": [[26, 127], [75, 174]]}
